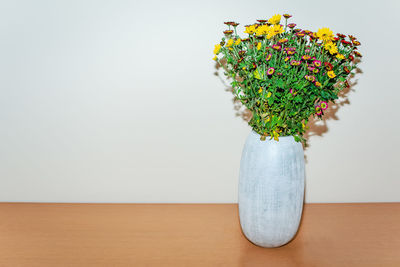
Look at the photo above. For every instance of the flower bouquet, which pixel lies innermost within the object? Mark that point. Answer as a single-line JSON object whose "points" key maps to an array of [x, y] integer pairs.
{"points": [[284, 74]]}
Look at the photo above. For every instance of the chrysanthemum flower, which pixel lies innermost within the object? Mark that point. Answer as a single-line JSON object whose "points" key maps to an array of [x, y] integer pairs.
{"points": [[316, 70], [306, 57], [325, 34], [324, 105], [297, 30], [317, 84], [310, 78], [291, 25], [215, 58], [331, 47], [295, 63], [356, 43], [317, 63], [275, 19], [229, 43], [287, 16], [274, 30], [331, 74], [351, 58], [229, 22], [282, 41], [318, 110], [269, 94], [217, 48], [259, 46], [310, 68], [277, 47], [262, 20], [346, 69], [262, 30], [352, 37], [260, 90], [270, 71], [250, 29], [341, 35], [300, 34], [238, 41], [340, 56], [313, 36], [345, 42], [328, 66], [357, 53], [286, 59], [268, 57], [228, 32]]}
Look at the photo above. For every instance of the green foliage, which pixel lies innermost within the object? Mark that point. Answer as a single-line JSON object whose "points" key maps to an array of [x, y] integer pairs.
{"points": [[285, 75]]}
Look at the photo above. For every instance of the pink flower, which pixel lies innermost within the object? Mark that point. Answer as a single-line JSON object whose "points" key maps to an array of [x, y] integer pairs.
{"points": [[324, 105], [317, 63], [318, 110], [270, 71], [276, 47]]}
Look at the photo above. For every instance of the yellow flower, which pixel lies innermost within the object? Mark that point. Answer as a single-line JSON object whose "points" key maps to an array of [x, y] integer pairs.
{"points": [[244, 68], [250, 29], [215, 58], [262, 30], [216, 49], [331, 47], [275, 19], [276, 29], [259, 46], [325, 34], [260, 90], [229, 43], [340, 56], [258, 75], [303, 125], [276, 135], [269, 94], [331, 74], [238, 41]]}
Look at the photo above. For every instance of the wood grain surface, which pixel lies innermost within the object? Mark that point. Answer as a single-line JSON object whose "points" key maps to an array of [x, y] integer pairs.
{"points": [[33, 234]]}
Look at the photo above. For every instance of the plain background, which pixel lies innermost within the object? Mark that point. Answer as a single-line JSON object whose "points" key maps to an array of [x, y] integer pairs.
{"points": [[117, 101]]}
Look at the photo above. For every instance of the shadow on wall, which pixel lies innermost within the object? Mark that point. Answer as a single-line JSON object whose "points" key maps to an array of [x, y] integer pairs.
{"points": [[316, 127]]}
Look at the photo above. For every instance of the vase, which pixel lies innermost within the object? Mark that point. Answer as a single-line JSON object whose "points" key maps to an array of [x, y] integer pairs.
{"points": [[271, 189]]}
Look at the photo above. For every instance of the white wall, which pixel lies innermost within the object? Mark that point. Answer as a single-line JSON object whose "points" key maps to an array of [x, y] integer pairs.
{"points": [[116, 101]]}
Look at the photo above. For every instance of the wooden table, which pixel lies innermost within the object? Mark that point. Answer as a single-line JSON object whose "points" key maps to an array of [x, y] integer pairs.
{"points": [[33, 234]]}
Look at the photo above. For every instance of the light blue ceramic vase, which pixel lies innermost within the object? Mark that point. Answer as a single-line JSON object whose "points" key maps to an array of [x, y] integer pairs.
{"points": [[271, 190]]}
